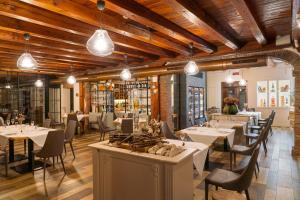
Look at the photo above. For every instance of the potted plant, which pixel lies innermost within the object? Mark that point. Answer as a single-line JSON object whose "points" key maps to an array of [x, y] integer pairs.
{"points": [[231, 107]]}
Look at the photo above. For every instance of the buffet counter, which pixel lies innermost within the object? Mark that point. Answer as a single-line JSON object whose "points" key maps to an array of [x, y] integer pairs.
{"points": [[121, 174]]}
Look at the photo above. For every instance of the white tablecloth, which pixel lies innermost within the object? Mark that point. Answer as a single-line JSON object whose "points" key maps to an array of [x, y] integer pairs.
{"points": [[37, 134], [228, 124], [208, 135], [256, 115], [220, 116], [199, 156]]}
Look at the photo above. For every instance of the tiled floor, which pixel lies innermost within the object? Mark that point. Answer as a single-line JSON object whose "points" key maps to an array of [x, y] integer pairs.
{"points": [[279, 177]]}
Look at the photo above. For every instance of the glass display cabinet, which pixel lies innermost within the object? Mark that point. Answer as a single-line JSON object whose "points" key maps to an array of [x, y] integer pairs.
{"points": [[195, 103]]}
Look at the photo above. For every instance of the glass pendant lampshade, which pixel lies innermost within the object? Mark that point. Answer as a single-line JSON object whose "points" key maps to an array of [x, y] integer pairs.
{"points": [[71, 80], [27, 62], [38, 83], [125, 74], [7, 86], [191, 68], [242, 82], [229, 79], [100, 44]]}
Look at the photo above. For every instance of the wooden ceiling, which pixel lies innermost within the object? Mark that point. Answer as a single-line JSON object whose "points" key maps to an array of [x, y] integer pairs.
{"points": [[146, 30]]}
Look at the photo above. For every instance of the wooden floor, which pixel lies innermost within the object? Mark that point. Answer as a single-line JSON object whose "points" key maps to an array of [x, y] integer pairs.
{"points": [[279, 178]]}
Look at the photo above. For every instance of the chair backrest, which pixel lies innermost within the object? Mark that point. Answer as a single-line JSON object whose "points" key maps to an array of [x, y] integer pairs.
{"points": [[70, 130], [244, 181], [127, 125], [72, 116], [8, 117], [130, 115], [1, 121], [166, 131], [47, 123], [54, 144]]}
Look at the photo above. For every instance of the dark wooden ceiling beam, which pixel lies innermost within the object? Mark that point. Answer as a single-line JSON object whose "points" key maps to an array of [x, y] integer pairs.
{"points": [[191, 11], [61, 23], [116, 24], [40, 56], [248, 16], [143, 15], [44, 42]]}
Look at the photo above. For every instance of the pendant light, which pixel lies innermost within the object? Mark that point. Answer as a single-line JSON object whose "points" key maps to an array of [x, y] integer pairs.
{"points": [[71, 79], [38, 83], [191, 67], [125, 75], [7, 84], [100, 44], [242, 82], [229, 78], [26, 61]]}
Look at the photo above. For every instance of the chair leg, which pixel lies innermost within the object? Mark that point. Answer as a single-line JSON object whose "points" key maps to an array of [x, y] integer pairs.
{"points": [[230, 160], [247, 194], [271, 130], [44, 169], [53, 162], [24, 147], [265, 147], [71, 145], [234, 158], [217, 187], [62, 163], [65, 149], [255, 173], [6, 164], [206, 191], [257, 166], [33, 164]]}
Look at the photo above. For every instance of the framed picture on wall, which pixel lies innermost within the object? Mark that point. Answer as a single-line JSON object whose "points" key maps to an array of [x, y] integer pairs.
{"points": [[262, 93], [272, 93], [284, 93]]}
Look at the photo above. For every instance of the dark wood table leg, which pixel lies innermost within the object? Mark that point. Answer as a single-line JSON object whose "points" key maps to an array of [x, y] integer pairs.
{"points": [[11, 150], [226, 144], [207, 160], [30, 156]]}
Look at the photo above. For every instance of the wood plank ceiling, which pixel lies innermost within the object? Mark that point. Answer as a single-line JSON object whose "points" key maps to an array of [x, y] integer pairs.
{"points": [[145, 30]]}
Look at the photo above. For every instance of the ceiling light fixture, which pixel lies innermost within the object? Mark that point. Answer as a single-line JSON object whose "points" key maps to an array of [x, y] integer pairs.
{"points": [[100, 44], [71, 79], [125, 75], [229, 78], [39, 83], [26, 61], [191, 67], [242, 82]]}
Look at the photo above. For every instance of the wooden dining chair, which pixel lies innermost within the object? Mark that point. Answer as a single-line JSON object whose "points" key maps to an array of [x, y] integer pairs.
{"points": [[2, 121], [69, 136], [53, 147], [3, 154], [47, 123], [103, 129], [231, 180], [166, 131], [127, 126]]}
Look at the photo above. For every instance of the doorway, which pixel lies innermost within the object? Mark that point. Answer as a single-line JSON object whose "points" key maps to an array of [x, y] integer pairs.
{"points": [[234, 90]]}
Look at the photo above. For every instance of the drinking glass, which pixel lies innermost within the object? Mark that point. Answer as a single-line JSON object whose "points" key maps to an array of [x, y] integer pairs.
{"points": [[8, 122], [32, 123], [182, 137], [12, 121]]}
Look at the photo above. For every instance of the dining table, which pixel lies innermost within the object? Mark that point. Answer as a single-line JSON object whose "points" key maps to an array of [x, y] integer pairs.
{"points": [[208, 136], [32, 134], [255, 116], [199, 156]]}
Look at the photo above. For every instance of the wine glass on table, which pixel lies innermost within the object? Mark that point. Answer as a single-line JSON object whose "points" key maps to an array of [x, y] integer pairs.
{"points": [[12, 121], [182, 137], [8, 122], [32, 123]]}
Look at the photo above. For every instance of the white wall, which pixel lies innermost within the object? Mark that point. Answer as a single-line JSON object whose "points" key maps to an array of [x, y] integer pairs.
{"points": [[281, 71], [65, 100]]}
